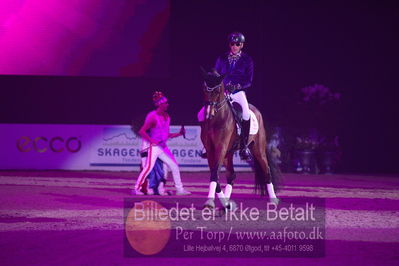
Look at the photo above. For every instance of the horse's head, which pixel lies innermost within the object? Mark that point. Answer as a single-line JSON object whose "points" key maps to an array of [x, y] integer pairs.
{"points": [[213, 92]]}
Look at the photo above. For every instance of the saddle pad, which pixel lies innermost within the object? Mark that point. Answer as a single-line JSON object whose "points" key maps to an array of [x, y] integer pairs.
{"points": [[254, 125], [254, 128]]}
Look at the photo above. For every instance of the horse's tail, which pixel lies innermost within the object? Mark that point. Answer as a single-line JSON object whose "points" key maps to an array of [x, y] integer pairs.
{"points": [[275, 171], [262, 178]]}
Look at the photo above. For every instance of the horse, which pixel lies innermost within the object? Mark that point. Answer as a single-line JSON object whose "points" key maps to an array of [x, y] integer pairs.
{"points": [[220, 137]]}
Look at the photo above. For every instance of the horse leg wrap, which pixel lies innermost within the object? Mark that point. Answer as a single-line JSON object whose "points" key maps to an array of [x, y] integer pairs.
{"points": [[270, 190], [227, 191], [212, 189], [222, 198]]}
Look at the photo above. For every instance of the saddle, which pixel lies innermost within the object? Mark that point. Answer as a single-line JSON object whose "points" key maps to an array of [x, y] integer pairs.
{"points": [[237, 114]]}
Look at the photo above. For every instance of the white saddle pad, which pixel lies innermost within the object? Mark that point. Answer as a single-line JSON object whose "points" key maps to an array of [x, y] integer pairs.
{"points": [[254, 128]]}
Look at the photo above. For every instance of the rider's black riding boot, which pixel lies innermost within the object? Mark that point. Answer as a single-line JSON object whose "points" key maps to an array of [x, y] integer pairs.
{"points": [[244, 152]]}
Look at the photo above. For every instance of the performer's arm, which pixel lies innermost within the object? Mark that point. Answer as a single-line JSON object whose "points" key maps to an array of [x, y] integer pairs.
{"points": [[178, 134], [149, 123]]}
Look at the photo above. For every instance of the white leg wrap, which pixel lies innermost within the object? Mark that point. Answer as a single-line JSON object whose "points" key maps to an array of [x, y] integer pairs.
{"points": [[222, 198], [270, 190], [212, 190], [227, 191]]}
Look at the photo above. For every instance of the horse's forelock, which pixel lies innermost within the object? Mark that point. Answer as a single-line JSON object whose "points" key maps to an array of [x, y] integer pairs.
{"points": [[213, 79]]}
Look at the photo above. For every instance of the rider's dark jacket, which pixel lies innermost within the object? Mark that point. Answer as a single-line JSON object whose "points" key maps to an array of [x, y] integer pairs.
{"points": [[238, 70]]}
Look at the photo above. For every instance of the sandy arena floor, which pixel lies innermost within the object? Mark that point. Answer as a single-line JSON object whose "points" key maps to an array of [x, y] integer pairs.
{"points": [[62, 217]]}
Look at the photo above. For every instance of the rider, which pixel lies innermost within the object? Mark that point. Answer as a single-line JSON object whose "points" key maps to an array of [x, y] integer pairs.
{"points": [[238, 68], [155, 133]]}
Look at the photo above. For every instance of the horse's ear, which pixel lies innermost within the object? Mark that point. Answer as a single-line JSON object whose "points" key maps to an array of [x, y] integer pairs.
{"points": [[221, 77], [203, 71], [215, 72]]}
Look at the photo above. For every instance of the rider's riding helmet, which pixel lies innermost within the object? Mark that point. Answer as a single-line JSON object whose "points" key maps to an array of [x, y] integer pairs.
{"points": [[236, 37]]}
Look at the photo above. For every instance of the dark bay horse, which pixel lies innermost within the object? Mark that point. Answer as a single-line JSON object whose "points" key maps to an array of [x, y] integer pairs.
{"points": [[219, 137]]}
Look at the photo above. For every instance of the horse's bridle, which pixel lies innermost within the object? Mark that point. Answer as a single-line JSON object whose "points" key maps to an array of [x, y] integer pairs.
{"points": [[212, 107]]}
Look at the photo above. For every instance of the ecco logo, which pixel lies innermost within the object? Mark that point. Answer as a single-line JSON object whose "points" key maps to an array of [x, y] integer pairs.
{"points": [[42, 144]]}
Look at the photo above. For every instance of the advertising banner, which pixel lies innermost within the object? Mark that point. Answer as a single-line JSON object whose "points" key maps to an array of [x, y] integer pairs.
{"points": [[92, 147]]}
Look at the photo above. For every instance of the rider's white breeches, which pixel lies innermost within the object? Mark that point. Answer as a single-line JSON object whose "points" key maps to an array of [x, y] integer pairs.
{"points": [[241, 99]]}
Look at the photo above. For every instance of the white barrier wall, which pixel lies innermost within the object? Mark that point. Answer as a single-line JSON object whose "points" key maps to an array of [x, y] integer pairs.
{"points": [[91, 147]]}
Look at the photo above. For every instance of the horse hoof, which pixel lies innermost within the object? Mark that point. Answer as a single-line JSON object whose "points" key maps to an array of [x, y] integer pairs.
{"points": [[231, 205], [275, 200], [210, 204]]}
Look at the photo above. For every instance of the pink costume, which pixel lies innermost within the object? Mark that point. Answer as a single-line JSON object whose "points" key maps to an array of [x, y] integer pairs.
{"points": [[159, 132]]}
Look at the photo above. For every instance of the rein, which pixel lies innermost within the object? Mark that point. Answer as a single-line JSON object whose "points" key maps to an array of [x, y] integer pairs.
{"points": [[218, 105]]}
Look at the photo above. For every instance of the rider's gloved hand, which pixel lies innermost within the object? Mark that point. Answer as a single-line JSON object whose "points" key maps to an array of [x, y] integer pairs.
{"points": [[230, 87]]}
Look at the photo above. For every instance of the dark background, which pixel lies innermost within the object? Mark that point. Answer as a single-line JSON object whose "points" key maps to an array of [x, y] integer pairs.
{"points": [[352, 49]]}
